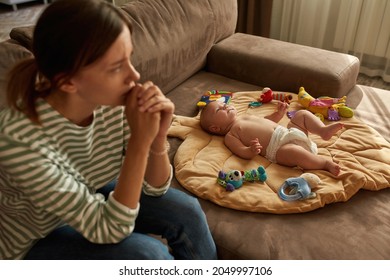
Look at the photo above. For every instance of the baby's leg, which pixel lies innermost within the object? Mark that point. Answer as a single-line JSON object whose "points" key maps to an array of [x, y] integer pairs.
{"points": [[308, 122], [294, 155]]}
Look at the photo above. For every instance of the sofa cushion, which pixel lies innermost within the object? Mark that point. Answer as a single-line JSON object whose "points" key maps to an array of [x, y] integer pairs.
{"points": [[284, 66], [172, 38]]}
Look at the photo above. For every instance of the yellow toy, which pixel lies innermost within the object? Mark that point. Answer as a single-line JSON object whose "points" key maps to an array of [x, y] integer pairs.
{"points": [[325, 107]]}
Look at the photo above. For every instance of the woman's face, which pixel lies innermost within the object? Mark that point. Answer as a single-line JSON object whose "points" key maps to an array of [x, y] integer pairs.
{"points": [[108, 80]]}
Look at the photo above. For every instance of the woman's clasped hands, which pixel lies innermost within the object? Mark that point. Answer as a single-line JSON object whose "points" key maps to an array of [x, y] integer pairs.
{"points": [[149, 112]]}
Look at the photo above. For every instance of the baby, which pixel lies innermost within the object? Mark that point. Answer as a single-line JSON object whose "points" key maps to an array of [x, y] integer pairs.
{"points": [[247, 136]]}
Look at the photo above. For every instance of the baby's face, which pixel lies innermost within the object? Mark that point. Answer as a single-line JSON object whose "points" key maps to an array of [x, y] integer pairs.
{"points": [[220, 114]]}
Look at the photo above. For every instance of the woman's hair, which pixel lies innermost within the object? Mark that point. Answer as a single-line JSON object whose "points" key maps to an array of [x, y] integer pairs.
{"points": [[69, 35]]}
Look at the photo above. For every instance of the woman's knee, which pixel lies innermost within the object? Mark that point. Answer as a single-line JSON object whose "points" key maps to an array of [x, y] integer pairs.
{"points": [[189, 206], [145, 247]]}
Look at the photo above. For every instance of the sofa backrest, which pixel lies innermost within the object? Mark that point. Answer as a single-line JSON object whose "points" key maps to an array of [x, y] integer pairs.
{"points": [[171, 38]]}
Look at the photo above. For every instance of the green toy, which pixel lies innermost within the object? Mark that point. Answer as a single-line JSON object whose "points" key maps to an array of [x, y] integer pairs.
{"points": [[234, 179]]}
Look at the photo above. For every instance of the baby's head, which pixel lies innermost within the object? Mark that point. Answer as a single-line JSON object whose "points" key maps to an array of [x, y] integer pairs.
{"points": [[217, 117]]}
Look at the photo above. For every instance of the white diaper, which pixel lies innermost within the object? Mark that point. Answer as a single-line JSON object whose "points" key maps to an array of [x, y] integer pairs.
{"points": [[283, 136]]}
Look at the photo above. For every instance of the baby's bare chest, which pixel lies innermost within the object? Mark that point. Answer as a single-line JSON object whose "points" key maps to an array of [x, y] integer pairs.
{"points": [[247, 129]]}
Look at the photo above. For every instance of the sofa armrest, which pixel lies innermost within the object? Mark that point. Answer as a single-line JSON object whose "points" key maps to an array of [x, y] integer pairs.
{"points": [[283, 66]]}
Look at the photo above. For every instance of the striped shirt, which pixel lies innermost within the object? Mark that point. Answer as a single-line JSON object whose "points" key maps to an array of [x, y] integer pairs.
{"points": [[49, 174]]}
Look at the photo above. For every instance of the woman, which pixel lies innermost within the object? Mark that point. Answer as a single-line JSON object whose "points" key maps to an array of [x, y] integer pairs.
{"points": [[74, 182]]}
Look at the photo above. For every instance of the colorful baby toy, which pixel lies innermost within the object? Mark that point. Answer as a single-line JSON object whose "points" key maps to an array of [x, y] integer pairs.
{"points": [[267, 95], [234, 179], [324, 107], [214, 95], [299, 188]]}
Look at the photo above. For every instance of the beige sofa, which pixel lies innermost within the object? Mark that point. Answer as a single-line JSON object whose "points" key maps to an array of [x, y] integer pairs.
{"points": [[190, 47]]}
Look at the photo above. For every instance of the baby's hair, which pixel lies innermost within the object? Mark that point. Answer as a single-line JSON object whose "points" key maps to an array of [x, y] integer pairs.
{"points": [[205, 123]]}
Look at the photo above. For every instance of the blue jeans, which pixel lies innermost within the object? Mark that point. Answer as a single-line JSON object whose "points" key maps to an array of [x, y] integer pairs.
{"points": [[175, 216]]}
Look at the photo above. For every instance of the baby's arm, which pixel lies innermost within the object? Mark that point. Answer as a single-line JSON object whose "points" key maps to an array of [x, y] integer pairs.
{"points": [[280, 112], [238, 148]]}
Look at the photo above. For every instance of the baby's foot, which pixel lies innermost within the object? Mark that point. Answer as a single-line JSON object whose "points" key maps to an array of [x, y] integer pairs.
{"points": [[332, 167], [330, 130]]}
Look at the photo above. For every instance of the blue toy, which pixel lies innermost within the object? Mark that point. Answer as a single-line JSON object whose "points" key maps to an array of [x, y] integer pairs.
{"points": [[234, 179], [299, 188]]}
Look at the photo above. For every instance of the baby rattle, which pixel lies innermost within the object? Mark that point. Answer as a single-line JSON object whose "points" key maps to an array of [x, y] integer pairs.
{"points": [[299, 188]]}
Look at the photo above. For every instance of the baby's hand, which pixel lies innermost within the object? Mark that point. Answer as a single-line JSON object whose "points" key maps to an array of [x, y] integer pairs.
{"points": [[255, 146], [282, 107]]}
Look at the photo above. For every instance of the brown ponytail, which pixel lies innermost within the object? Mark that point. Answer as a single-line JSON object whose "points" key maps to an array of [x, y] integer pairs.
{"points": [[21, 88]]}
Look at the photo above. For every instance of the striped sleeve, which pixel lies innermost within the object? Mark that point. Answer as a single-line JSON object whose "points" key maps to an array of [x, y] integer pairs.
{"points": [[50, 175], [55, 190]]}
